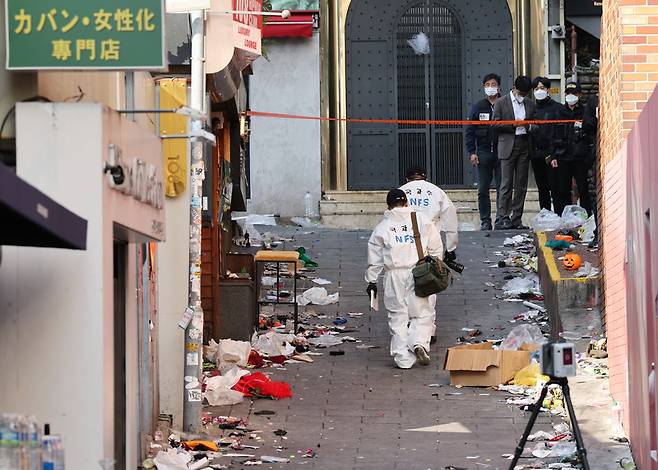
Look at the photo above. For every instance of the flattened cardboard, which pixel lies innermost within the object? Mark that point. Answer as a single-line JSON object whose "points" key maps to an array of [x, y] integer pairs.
{"points": [[479, 365]]}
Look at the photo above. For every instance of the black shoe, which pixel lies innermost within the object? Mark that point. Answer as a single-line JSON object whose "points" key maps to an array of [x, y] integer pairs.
{"points": [[422, 356], [504, 225], [485, 226], [520, 227]]}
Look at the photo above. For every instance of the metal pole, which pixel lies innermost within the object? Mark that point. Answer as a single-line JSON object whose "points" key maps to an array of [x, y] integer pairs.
{"points": [[194, 333]]}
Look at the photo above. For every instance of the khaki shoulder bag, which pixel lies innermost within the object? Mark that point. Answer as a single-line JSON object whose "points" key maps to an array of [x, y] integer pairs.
{"points": [[431, 275]]}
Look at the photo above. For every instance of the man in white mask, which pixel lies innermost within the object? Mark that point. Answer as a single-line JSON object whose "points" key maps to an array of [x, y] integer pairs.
{"points": [[482, 146], [514, 152], [392, 249]]}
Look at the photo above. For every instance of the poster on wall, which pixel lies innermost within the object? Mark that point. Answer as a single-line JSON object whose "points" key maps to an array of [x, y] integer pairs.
{"points": [[79, 34]]}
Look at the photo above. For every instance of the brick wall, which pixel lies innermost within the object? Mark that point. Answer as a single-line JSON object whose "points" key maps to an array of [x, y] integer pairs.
{"points": [[629, 73]]}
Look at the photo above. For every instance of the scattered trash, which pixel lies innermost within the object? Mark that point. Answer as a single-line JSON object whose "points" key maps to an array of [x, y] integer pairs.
{"points": [[172, 460], [304, 258], [317, 296], [557, 244], [230, 353], [519, 286], [340, 321], [573, 216], [321, 282], [271, 459], [530, 376], [523, 334], [587, 270], [326, 341], [546, 221], [219, 389], [280, 432]]}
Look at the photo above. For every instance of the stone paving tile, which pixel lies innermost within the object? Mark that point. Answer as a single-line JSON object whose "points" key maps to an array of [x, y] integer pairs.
{"points": [[357, 411]]}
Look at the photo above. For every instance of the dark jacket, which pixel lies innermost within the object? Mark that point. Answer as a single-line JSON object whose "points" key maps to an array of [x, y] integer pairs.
{"points": [[479, 138], [571, 142], [543, 135], [591, 124], [504, 111]]}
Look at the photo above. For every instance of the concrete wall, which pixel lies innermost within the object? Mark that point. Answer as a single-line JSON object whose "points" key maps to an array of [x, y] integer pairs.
{"points": [[285, 154], [57, 306]]}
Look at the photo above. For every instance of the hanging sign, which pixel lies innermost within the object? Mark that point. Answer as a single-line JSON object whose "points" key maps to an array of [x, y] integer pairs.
{"points": [[247, 29], [80, 34]]}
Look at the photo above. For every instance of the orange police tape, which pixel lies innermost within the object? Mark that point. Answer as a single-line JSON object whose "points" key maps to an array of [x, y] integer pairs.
{"points": [[443, 122]]}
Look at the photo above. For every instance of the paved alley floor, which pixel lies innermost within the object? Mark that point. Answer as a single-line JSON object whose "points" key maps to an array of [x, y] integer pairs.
{"points": [[356, 411]]}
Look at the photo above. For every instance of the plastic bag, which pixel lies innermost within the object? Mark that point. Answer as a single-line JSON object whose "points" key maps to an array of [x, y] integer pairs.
{"points": [[522, 334], [325, 341], [233, 352], [274, 344], [420, 43], [587, 230], [522, 285], [210, 351], [587, 270], [317, 296], [218, 389], [529, 376], [573, 216], [546, 221], [172, 460]]}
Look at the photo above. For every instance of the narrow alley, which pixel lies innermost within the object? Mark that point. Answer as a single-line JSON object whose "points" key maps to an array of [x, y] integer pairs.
{"points": [[356, 411]]}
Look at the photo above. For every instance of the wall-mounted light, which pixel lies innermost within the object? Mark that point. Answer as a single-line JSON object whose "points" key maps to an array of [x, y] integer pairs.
{"points": [[113, 167]]}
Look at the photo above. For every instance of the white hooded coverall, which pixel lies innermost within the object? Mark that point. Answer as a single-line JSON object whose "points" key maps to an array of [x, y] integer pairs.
{"points": [[435, 204], [392, 248]]}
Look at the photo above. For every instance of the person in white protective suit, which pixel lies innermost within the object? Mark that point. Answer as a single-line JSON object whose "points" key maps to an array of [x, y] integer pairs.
{"points": [[392, 249], [435, 204]]}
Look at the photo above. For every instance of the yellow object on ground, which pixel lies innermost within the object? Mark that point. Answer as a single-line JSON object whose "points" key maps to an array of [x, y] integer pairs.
{"points": [[200, 445], [529, 376]]}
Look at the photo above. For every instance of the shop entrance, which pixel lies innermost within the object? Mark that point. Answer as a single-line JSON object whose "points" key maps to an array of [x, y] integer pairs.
{"points": [[120, 253], [388, 78]]}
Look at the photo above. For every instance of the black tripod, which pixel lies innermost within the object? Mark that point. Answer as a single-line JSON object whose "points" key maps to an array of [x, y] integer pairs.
{"points": [[580, 447]]}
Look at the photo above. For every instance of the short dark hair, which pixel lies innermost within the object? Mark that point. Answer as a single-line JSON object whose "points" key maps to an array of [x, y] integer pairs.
{"points": [[543, 80], [413, 171], [395, 198], [491, 76], [523, 83]]}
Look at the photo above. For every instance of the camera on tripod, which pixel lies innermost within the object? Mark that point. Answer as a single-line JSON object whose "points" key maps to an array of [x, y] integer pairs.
{"points": [[558, 359]]}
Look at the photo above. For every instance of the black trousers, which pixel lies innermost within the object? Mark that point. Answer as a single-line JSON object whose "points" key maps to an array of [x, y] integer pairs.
{"points": [[568, 170], [545, 177]]}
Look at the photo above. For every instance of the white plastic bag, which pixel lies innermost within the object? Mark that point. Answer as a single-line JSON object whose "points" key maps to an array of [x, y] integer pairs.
{"points": [[546, 221], [172, 460], [325, 341], [317, 296], [420, 43], [522, 285], [529, 334], [274, 344], [587, 230], [232, 352], [218, 389], [573, 216], [210, 351]]}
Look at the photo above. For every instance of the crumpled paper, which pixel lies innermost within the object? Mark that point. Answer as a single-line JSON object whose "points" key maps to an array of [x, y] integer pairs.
{"points": [[231, 352], [325, 341], [274, 344]]}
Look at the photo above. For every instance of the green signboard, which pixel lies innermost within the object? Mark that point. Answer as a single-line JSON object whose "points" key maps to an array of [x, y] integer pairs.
{"points": [[85, 34]]}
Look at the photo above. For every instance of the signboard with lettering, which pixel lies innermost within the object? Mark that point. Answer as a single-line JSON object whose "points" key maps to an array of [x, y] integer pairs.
{"points": [[247, 29], [83, 34]]}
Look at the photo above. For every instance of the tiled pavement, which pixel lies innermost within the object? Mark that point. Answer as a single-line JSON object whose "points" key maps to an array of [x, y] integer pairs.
{"points": [[357, 411]]}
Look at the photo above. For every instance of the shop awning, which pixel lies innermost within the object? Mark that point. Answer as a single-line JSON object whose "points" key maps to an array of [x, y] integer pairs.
{"points": [[30, 218], [590, 24], [295, 26]]}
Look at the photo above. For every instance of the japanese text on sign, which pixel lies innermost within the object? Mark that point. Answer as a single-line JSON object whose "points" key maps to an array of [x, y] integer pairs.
{"points": [[77, 34]]}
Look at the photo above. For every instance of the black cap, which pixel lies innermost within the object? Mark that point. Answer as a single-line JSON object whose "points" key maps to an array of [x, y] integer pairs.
{"points": [[572, 88], [416, 171], [395, 196]]}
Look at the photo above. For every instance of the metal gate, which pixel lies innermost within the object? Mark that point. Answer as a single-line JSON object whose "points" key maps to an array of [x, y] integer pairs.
{"points": [[386, 78]]}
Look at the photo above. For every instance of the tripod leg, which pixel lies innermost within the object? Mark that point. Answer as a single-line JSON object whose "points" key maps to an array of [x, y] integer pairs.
{"points": [[580, 445], [528, 428]]}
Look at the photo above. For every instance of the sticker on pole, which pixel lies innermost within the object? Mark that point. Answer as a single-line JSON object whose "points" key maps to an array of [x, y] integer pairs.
{"points": [[194, 395], [186, 318], [192, 359]]}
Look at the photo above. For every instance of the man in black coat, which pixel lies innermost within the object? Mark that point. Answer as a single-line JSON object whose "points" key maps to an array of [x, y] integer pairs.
{"points": [[482, 146], [572, 151], [542, 143]]}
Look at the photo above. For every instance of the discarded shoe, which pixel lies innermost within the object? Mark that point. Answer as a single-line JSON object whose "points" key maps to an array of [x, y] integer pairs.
{"points": [[422, 356]]}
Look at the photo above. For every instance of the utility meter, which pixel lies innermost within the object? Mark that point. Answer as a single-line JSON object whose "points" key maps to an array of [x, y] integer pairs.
{"points": [[558, 359]]}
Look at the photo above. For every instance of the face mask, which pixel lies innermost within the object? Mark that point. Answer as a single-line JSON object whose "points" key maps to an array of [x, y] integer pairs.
{"points": [[519, 98], [541, 94], [571, 99], [491, 90]]}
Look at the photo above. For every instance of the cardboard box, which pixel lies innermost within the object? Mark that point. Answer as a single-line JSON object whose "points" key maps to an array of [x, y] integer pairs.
{"points": [[479, 365]]}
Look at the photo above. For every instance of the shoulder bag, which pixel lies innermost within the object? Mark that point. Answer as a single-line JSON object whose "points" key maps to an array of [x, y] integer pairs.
{"points": [[431, 275]]}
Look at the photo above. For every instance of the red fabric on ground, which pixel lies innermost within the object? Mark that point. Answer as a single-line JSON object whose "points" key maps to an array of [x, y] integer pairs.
{"points": [[260, 385]]}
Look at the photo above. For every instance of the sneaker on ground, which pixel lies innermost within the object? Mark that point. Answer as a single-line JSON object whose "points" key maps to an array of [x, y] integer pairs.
{"points": [[422, 356]]}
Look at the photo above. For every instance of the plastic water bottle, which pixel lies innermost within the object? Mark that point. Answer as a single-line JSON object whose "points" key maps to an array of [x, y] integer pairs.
{"points": [[34, 444], [9, 442], [48, 453], [308, 205]]}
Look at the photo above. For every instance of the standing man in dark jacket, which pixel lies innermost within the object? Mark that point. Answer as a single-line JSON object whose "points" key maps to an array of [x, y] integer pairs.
{"points": [[514, 152], [590, 127], [481, 143], [542, 144], [572, 150]]}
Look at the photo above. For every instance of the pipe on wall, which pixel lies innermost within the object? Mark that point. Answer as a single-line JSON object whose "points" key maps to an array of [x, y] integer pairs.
{"points": [[525, 50]]}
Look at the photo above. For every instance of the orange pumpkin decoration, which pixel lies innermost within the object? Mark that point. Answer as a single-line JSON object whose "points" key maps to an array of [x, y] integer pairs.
{"points": [[571, 261]]}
